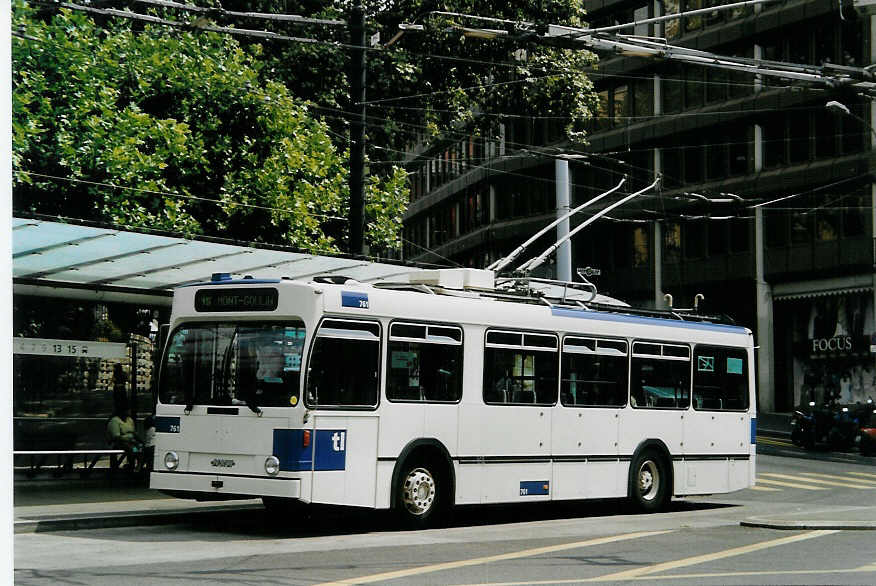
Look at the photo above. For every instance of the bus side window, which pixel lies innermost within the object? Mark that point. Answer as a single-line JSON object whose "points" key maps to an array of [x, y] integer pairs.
{"points": [[424, 363], [594, 372], [343, 368], [660, 375], [520, 368], [720, 381]]}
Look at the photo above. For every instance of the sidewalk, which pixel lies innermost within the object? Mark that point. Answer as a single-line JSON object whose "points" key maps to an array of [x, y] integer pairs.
{"points": [[68, 503]]}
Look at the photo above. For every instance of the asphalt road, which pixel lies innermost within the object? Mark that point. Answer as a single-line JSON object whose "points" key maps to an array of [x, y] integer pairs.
{"points": [[700, 541]]}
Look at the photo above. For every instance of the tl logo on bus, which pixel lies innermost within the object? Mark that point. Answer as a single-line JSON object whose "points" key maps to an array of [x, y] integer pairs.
{"points": [[339, 441]]}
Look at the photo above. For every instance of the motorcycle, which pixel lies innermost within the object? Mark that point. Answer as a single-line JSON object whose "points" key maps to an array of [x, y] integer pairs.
{"points": [[835, 425]]}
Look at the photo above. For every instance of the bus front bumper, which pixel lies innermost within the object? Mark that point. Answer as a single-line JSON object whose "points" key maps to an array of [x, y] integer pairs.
{"points": [[219, 484]]}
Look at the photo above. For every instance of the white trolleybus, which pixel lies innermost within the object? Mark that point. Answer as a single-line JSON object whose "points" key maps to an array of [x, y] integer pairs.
{"points": [[450, 388]]}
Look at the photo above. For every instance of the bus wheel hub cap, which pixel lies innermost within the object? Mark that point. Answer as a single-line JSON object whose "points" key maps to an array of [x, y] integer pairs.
{"points": [[419, 491]]}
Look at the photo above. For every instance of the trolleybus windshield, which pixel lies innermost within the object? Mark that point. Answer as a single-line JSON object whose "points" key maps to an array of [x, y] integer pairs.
{"points": [[247, 363]]}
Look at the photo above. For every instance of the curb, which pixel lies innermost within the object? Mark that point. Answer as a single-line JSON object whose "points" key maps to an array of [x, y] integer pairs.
{"points": [[784, 524], [129, 519]]}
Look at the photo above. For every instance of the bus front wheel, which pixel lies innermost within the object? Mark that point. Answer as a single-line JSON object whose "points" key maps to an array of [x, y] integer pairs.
{"points": [[419, 494], [649, 482]]}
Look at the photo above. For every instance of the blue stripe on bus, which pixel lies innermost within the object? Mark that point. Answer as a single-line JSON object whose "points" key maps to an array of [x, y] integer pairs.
{"points": [[326, 451], [166, 424], [753, 430], [289, 449], [636, 319], [535, 487]]}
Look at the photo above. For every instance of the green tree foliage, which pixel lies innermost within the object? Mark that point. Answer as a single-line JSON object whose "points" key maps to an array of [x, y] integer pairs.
{"points": [[195, 135], [437, 82]]}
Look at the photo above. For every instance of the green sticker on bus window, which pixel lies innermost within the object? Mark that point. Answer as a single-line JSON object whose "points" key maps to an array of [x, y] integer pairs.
{"points": [[706, 363], [734, 366], [402, 359]]}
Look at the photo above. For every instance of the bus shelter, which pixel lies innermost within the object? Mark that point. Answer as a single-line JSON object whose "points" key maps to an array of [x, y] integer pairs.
{"points": [[87, 304]]}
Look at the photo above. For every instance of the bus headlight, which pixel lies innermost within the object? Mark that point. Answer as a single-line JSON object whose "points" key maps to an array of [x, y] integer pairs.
{"points": [[171, 460], [272, 465]]}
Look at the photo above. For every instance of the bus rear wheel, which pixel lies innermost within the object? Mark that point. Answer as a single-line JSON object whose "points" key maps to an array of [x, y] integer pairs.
{"points": [[649, 482], [419, 494]]}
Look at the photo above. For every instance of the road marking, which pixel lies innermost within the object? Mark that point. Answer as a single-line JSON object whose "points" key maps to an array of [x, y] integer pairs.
{"points": [[870, 568], [844, 478], [492, 558], [867, 474], [765, 488], [863, 569], [773, 442], [788, 484], [817, 480], [709, 557]]}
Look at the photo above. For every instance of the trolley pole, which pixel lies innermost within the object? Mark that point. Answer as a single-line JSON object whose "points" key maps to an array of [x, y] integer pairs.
{"points": [[357, 129]]}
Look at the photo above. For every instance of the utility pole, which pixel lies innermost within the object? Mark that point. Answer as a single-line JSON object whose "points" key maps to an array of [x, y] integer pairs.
{"points": [[357, 129]]}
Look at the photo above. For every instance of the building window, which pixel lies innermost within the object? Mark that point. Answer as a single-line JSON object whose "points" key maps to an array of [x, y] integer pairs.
{"points": [[672, 242], [641, 247]]}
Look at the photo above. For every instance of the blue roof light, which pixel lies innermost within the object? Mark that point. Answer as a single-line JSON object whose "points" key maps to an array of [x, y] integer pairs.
{"points": [[221, 277]]}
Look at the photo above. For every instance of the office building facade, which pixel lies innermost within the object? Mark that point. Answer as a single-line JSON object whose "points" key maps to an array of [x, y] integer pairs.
{"points": [[766, 199]]}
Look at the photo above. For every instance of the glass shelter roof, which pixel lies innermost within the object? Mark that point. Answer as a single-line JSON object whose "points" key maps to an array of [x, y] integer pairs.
{"points": [[55, 256]]}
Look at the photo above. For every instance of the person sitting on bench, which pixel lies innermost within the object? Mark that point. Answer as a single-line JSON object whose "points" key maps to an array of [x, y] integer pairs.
{"points": [[121, 434]]}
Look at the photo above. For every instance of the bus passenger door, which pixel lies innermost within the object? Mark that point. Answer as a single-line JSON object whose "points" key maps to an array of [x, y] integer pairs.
{"points": [[345, 459]]}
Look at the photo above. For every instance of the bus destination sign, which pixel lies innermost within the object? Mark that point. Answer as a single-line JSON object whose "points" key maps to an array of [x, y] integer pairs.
{"points": [[238, 299]]}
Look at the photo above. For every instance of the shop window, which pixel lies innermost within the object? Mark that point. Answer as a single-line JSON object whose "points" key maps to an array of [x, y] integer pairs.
{"points": [[660, 376], [594, 372], [520, 368], [344, 364], [424, 363], [720, 380]]}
